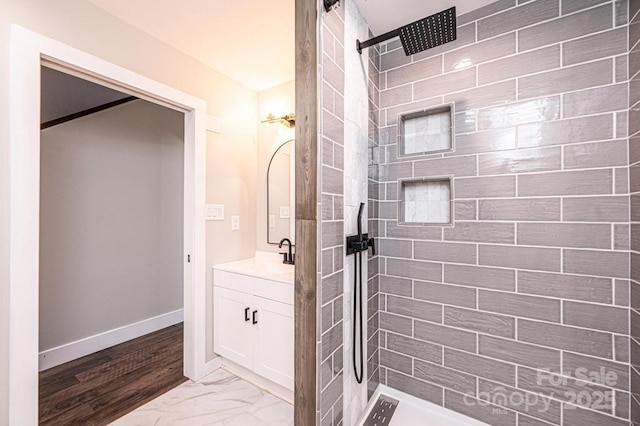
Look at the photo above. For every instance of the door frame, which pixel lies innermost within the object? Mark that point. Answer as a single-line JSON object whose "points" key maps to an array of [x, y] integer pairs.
{"points": [[30, 50]]}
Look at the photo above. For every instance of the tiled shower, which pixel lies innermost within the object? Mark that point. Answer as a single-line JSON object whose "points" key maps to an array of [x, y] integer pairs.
{"points": [[523, 283]]}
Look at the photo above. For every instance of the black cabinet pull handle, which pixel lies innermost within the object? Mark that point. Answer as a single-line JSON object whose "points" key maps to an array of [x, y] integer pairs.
{"points": [[255, 320], [246, 314]]}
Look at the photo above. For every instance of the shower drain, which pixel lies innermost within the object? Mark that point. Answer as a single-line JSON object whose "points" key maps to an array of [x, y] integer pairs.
{"points": [[382, 412]]}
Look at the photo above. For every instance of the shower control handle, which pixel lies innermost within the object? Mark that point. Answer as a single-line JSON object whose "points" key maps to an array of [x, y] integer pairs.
{"points": [[371, 242]]}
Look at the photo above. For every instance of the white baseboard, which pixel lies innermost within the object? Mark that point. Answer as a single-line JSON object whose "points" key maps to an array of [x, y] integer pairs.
{"points": [[213, 365], [261, 382], [74, 350]]}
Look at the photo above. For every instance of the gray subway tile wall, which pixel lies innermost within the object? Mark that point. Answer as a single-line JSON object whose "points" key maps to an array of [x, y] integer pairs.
{"points": [[443, 376], [549, 409], [519, 305], [634, 186], [415, 348], [533, 277], [519, 353], [441, 293], [522, 209], [531, 160], [566, 28], [583, 129], [497, 325], [521, 64], [541, 129], [570, 287], [331, 224], [567, 79]]}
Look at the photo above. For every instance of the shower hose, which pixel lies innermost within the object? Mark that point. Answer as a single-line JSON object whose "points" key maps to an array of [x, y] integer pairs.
{"points": [[357, 314]]}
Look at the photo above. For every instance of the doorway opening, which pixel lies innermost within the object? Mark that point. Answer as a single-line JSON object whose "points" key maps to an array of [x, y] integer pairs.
{"points": [[29, 52], [111, 234]]}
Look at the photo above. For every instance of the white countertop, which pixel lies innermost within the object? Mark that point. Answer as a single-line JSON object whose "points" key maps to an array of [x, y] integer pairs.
{"points": [[264, 265]]}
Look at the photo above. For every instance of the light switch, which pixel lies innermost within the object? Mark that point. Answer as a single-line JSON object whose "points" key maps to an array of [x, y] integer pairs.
{"points": [[235, 223], [215, 212], [285, 212], [272, 221]]}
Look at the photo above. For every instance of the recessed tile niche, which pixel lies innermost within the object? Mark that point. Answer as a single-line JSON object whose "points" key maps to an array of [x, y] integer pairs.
{"points": [[426, 131], [426, 202]]}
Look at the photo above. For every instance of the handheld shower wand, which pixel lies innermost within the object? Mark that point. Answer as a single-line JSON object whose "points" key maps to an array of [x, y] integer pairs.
{"points": [[360, 221], [356, 244]]}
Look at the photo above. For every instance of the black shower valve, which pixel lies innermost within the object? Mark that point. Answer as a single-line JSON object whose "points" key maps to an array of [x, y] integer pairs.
{"points": [[359, 245], [356, 244]]}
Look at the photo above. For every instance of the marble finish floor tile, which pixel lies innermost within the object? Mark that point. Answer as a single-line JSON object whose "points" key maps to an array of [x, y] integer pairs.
{"points": [[220, 399]]}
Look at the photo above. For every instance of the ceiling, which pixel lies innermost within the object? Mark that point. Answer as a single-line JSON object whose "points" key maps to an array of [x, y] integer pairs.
{"points": [[252, 41], [63, 95]]}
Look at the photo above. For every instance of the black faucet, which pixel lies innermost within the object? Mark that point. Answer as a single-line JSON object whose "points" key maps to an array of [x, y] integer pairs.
{"points": [[289, 258]]}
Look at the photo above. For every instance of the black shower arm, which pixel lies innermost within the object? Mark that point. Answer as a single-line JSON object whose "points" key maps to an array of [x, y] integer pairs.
{"points": [[376, 40]]}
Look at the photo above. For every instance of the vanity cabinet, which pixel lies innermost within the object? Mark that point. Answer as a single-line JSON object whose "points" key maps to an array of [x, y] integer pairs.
{"points": [[273, 342], [233, 334], [254, 325]]}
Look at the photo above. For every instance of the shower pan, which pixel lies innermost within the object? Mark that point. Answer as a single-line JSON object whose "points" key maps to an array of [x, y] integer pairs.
{"points": [[390, 407]]}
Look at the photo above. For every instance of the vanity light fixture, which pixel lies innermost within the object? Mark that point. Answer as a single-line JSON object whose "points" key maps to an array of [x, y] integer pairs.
{"points": [[288, 120]]}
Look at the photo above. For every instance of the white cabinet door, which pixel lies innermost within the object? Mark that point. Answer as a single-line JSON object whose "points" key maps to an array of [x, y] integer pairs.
{"points": [[233, 329], [273, 348]]}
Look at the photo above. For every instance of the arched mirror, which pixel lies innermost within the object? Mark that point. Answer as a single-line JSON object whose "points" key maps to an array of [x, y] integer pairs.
{"points": [[281, 194]]}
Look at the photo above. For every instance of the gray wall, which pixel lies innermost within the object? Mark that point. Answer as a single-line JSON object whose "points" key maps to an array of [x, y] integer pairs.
{"points": [[634, 174], [111, 221], [534, 273]]}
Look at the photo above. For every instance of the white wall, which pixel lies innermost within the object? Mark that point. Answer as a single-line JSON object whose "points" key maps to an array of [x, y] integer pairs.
{"points": [[4, 218], [279, 100], [231, 155], [111, 220]]}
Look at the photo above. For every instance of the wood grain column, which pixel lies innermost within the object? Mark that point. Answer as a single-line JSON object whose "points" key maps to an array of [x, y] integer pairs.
{"points": [[306, 146]]}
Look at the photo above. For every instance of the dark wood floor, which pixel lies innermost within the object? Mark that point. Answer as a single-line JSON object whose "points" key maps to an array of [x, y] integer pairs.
{"points": [[102, 387]]}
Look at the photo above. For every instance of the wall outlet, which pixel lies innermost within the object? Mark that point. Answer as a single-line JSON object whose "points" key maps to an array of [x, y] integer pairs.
{"points": [[215, 212], [235, 223], [272, 221]]}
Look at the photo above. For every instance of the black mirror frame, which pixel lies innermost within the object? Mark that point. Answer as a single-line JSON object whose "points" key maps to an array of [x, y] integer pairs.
{"points": [[269, 170]]}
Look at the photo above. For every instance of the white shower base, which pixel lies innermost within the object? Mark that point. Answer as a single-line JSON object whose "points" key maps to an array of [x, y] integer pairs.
{"points": [[412, 411]]}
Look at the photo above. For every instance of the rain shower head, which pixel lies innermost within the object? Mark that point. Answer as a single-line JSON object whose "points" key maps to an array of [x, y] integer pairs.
{"points": [[424, 34], [429, 32]]}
